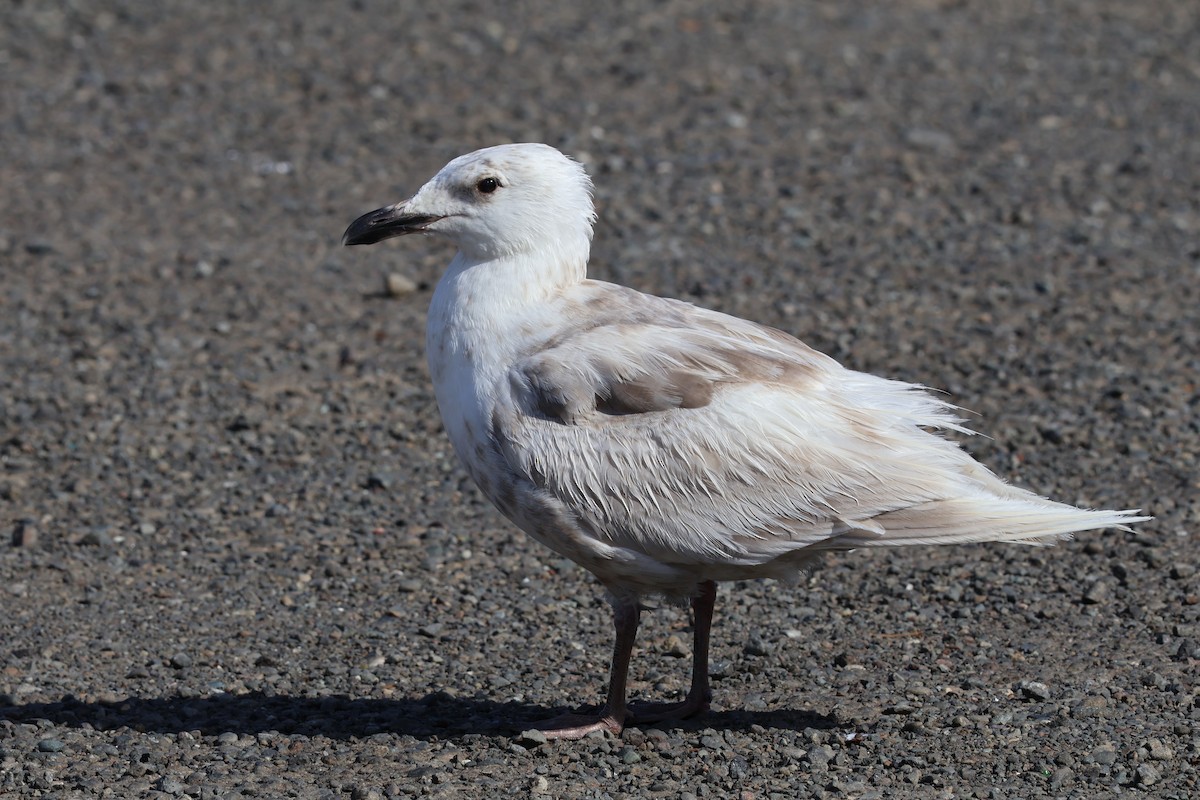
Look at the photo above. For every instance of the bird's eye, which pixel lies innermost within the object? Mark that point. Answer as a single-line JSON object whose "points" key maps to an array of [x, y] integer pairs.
{"points": [[488, 185]]}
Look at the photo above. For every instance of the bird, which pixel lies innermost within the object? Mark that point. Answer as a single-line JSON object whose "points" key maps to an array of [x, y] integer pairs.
{"points": [[662, 446]]}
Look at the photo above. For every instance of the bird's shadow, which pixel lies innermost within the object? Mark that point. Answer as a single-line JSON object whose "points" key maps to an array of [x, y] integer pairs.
{"points": [[436, 715]]}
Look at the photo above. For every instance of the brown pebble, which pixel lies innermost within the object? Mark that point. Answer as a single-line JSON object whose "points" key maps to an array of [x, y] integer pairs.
{"points": [[24, 534], [676, 648]]}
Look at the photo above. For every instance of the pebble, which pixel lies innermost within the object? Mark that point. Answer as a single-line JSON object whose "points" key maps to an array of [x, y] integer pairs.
{"points": [[1159, 751], [1061, 776], [675, 647], [1104, 754], [169, 785], [50, 745], [1148, 774], [1091, 706], [397, 285], [25, 534], [928, 139], [533, 737], [379, 480], [1098, 592], [1035, 690], [97, 537], [757, 646], [819, 757]]}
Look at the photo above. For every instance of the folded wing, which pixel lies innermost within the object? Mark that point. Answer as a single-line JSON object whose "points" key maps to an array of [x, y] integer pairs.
{"points": [[713, 440]]}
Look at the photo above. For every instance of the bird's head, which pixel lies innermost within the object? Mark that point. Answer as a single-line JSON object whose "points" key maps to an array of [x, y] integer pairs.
{"points": [[493, 203]]}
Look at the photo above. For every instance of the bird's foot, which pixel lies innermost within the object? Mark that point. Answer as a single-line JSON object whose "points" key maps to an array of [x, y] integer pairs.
{"points": [[576, 726], [643, 713]]}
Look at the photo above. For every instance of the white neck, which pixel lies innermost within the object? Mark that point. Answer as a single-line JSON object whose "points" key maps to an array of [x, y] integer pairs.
{"points": [[470, 339], [483, 291], [477, 302]]}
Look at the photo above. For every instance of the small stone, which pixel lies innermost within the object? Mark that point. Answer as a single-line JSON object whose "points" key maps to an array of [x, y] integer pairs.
{"points": [[1159, 751], [757, 646], [169, 785], [1097, 593], [365, 793], [228, 737], [532, 737], [38, 247], [397, 285], [1148, 775], [24, 534], [378, 480], [540, 784], [50, 745], [629, 756], [675, 647], [820, 756], [930, 139], [1182, 571], [181, 661], [1060, 776], [1091, 706], [97, 537], [432, 630], [1104, 754], [1035, 690]]}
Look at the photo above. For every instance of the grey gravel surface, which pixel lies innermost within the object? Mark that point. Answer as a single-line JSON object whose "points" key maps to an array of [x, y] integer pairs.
{"points": [[239, 559]]}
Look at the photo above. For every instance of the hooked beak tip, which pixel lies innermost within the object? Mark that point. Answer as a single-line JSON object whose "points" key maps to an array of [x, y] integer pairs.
{"points": [[385, 223]]}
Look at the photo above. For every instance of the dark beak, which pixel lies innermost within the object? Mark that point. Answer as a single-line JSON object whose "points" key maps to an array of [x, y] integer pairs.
{"points": [[384, 223]]}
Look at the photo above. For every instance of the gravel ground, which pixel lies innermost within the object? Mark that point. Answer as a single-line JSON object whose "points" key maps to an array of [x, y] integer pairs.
{"points": [[244, 562]]}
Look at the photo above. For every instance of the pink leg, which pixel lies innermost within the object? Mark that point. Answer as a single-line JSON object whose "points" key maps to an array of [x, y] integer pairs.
{"points": [[699, 695], [615, 714], [612, 717]]}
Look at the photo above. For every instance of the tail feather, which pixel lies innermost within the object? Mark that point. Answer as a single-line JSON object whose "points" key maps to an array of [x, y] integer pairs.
{"points": [[1024, 520]]}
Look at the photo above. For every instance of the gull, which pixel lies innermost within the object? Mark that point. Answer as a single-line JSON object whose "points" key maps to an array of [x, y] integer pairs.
{"points": [[662, 446]]}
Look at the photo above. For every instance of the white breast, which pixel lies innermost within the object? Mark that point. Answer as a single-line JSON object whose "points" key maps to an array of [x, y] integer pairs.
{"points": [[472, 339]]}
